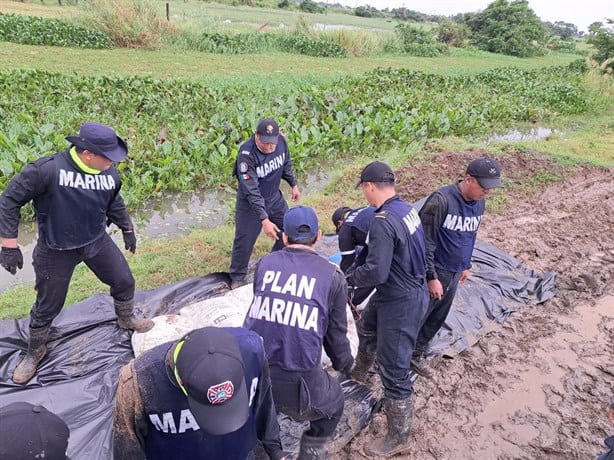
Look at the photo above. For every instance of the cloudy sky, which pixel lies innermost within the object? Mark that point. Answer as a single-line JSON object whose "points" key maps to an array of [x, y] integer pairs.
{"points": [[582, 13]]}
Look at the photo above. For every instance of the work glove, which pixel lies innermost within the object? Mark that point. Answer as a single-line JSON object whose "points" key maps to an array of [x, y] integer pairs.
{"points": [[129, 240], [11, 259]]}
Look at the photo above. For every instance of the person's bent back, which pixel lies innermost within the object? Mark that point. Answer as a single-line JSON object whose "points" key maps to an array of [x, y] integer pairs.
{"points": [[299, 306]]}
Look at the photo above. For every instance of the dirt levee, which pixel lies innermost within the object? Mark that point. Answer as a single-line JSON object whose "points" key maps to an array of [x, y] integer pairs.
{"points": [[536, 386]]}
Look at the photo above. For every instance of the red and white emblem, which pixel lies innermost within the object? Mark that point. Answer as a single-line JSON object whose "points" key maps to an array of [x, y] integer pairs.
{"points": [[220, 393]]}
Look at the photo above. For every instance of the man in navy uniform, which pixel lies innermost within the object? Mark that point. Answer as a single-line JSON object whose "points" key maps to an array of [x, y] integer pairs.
{"points": [[206, 396], [352, 227], [263, 161], [75, 195], [451, 217], [389, 324], [299, 306]]}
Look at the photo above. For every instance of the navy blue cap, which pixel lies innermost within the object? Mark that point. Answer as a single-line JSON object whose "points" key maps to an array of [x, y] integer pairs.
{"points": [[301, 224], [101, 140]]}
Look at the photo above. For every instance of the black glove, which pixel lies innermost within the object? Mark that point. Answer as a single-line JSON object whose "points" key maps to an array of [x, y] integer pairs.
{"points": [[129, 240], [11, 259]]}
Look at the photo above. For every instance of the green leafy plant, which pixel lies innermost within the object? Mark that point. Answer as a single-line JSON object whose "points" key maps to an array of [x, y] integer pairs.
{"points": [[32, 30]]}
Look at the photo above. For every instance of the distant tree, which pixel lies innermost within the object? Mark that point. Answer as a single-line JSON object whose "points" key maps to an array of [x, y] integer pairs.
{"points": [[408, 15], [509, 28], [309, 6], [452, 33], [564, 30], [602, 38], [367, 12], [283, 4]]}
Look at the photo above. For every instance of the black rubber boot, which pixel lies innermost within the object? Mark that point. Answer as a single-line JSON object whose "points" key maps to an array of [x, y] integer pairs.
{"points": [[362, 364], [312, 448], [398, 414], [421, 366], [37, 349], [126, 319]]}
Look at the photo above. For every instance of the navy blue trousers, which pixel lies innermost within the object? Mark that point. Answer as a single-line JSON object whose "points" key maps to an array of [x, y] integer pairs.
{"points": [[247, 229], [390, 329], [312, 395]]}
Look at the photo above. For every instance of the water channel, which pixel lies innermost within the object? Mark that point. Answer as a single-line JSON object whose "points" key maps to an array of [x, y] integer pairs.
{"points": [[177, 215], [169, 217]]}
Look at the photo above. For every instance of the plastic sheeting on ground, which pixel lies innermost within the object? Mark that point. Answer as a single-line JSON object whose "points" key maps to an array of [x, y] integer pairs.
{"points": [[77, 379]]}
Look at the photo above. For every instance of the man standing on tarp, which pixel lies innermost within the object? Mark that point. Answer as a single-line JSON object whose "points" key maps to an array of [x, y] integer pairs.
{"points": [[206, 396], [352, 227], [389, 324], [299, 306], [263, 161], [75, 195], [451, 217]]}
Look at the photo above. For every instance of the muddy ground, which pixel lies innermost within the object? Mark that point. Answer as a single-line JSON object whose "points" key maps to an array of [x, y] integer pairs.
{"points": [[536, 386]]}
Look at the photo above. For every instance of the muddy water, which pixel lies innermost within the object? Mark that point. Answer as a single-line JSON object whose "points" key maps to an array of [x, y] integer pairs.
{"points": [[509, 416]]}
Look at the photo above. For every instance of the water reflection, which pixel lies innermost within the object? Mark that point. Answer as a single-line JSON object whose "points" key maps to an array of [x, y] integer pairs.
{"points": [[169, 217], [529, 134]]}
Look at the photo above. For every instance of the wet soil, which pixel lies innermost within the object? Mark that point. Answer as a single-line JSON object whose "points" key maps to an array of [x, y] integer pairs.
{"points": [[538, 385]]}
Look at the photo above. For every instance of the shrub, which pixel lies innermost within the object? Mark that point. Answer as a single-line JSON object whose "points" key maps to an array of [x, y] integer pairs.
{"points": [[131, 23], [320, 47], [418, 42], [453, 34]]}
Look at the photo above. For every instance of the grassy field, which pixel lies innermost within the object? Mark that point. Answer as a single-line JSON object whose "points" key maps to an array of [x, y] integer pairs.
{"points": [[157, 262], [200, 66]]}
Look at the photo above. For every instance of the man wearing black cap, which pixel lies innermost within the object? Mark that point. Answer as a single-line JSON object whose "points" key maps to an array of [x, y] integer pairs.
{"points": [[352, 227], [299, 306], [451, 217], [29, 432], [206, 396], [263, 161], [389, 324], [75, 195]]}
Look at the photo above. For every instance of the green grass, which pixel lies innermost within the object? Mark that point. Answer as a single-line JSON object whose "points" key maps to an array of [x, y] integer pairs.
{"points": [[199, 66]]}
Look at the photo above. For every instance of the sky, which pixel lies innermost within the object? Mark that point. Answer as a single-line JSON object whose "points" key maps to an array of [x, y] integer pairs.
{"points": [[582, 13]]}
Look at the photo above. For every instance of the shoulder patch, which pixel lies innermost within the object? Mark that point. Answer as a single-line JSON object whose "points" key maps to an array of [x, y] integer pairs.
{"points": [[244, 152], [243, 167]]}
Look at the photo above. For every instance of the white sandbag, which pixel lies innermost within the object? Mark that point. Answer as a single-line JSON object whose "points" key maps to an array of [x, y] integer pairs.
{"points": [[226, 310]]}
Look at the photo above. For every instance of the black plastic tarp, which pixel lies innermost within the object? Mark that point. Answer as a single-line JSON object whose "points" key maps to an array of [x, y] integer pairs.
{"points": [[77, 379]]}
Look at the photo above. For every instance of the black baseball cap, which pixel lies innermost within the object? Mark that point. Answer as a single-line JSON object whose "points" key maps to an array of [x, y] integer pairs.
{"points": [[29, 431], [268, 131], [377, 171], [487, 172], [209, 369], [340, 214]]}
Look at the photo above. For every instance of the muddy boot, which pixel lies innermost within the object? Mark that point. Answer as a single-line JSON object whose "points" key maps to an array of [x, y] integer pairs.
{"points": [[126, 319], [420, 365], [37, 349], [398, 415], [312, 448], [362, 364]]}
